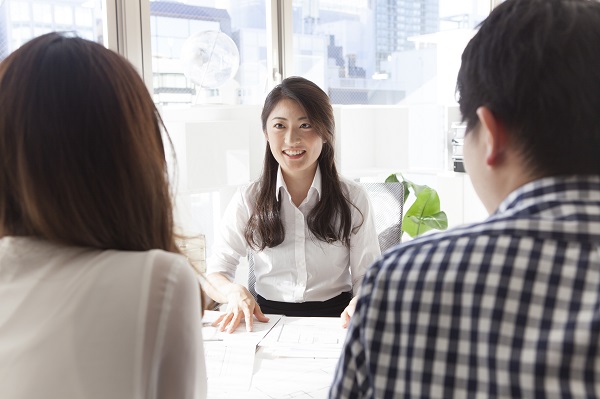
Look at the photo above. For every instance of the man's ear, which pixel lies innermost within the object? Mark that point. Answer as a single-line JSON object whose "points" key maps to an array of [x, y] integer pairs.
{"points": [[494, 136]]}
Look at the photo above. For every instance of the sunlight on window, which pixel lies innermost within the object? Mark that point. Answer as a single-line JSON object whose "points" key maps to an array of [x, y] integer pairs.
{"points": [[22, 20]]}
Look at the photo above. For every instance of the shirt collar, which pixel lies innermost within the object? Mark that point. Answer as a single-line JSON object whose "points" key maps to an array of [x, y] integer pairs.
{"points": [[558, 188], [316, 184]]}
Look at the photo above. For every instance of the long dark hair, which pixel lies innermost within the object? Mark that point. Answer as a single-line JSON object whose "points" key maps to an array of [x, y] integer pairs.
{"points": [[331, 219], [82, 160]]}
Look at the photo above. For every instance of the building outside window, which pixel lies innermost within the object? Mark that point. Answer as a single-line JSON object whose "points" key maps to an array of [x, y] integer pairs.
{"points": [[376, 52]]}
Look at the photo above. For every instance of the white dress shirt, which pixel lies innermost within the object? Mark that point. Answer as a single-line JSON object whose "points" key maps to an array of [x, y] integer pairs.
{"points": [[301, 268], [85, 323]]}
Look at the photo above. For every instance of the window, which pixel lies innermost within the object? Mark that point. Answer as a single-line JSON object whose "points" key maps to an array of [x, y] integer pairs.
{"points": [[378, 52], [241, 24], [389, 68], [22, 20]]}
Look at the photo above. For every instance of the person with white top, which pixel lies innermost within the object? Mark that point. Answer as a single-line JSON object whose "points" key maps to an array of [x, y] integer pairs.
{"points": [[97, 301], [311, 231]]}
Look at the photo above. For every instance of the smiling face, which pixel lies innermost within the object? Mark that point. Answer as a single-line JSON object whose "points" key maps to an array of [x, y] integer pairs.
{"points": [[294, 142]]}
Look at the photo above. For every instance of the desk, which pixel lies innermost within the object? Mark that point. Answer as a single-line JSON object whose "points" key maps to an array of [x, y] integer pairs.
{"points": [[289, 357]]}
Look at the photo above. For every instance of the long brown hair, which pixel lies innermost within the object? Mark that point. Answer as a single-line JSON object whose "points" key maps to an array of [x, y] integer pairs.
{"points": [[331, 219], [82, 160]]}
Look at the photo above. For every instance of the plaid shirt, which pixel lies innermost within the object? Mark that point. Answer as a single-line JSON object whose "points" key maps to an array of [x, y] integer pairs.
{"points": [[506, 308]]}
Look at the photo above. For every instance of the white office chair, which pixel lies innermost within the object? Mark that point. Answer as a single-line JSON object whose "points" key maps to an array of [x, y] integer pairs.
{"points": [[251, 276], [387, 200]]}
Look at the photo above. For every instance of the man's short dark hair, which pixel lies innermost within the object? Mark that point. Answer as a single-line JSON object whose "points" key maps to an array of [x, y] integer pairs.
{"points": [[536, 65]]}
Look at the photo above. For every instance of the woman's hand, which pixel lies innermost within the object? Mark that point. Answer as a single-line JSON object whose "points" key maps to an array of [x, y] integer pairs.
{"points": [[348, 312], [240, 303]]}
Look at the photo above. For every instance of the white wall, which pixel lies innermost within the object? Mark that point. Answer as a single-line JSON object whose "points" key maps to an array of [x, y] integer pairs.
{"points": [[217, 148], [372, 139]]}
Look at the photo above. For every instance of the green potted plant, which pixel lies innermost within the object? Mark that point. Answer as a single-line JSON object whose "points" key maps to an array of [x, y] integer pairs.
{"points": [[424, 214]]}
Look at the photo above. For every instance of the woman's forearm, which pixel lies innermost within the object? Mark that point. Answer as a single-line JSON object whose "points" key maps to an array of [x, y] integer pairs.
{"points": [[217, 286]]}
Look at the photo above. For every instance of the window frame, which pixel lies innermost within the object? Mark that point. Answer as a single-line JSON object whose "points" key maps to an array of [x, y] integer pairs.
{"points": [[127, 27]]}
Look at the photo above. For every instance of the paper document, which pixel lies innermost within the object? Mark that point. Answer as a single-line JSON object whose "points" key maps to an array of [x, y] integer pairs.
{"points": [[292, 377], [230, 356], [288, 357], [316, 337], [229, 366], [240, 335]]}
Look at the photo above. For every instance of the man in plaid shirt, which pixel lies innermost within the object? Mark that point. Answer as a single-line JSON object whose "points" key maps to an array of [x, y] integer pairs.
{"points": [[510, 307]]}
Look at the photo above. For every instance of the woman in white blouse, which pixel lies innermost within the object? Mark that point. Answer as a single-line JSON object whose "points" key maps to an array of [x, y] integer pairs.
{"points": [[311, 231], [96, 301]]}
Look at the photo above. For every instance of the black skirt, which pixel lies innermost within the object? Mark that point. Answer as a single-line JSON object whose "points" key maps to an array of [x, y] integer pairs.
{"points": [[330, 308]]}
